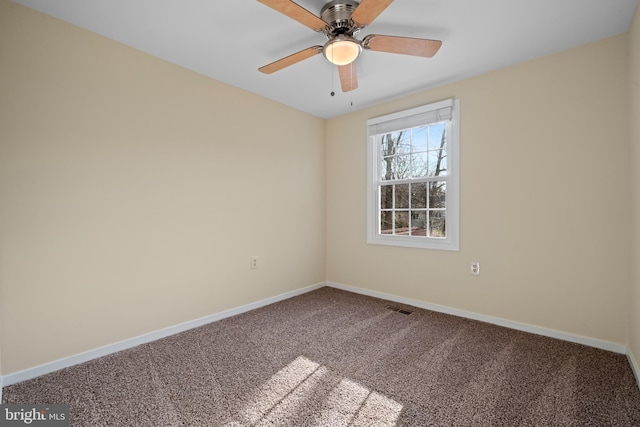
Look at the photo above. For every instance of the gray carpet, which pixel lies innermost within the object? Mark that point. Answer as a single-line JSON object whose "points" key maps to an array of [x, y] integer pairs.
{"points": [[334, 358]]}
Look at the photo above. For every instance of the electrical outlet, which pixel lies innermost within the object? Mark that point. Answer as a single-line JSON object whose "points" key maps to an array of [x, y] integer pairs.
{"points": [[254, 262], [475, 268]]}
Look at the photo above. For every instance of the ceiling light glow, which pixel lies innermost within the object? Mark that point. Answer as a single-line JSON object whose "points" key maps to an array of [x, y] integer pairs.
{"points": [[342, 50]]}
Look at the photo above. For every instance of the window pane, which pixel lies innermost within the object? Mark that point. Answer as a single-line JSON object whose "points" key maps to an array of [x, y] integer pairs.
{"points": [[437, 194], [419, 139], [388, 144], [385, 168], [437, 162], [402, 196], [437, 224], [402, 223], [436, 133], [418, 165], [386, 222], [419, 195], [419, 223], [386, 197], [388, 168], [402, 167], [403, 141]]}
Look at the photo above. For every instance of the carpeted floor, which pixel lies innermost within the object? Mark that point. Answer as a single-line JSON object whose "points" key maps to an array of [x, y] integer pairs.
{"points": [[334, 358]]}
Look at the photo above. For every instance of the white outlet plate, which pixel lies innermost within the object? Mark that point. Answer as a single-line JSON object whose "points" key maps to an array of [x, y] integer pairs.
{"points": [[474, 269], [254, 262]]}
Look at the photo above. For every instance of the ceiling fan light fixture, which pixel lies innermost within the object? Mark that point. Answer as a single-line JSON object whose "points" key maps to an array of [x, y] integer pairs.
{"points": [[342, 50]]}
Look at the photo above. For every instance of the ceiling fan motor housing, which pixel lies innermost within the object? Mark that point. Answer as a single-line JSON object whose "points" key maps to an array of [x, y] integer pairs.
{"points": [[337, 14]]}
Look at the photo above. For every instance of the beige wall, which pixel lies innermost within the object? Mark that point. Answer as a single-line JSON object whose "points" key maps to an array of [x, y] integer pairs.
{"points": [[134, 193], [634, 318], [544, 197]]}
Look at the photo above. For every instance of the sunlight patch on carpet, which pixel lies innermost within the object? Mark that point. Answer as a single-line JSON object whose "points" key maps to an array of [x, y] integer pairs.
{"points": [[279, 386], [294, 389], [353, 404]]}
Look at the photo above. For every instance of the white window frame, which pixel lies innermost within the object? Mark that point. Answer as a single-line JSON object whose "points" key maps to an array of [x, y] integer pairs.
{"points": [[452, 241]]}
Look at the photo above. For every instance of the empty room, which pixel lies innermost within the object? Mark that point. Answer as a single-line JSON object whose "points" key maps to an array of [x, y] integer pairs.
{"points": [[337, 213]]}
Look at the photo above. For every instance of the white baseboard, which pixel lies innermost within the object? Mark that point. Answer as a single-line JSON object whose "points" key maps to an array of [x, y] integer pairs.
{"points": [[634, 367], [66, 362], [56, 365], [552, 333]]}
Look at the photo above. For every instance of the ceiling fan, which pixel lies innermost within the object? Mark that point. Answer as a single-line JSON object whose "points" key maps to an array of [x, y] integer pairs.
{"points": [[340, 21]]}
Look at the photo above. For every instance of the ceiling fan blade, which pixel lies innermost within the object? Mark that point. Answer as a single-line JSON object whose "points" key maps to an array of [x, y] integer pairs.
{"points": [[368, 10], [290, 60], [404, 45], [296, 12], [348, 77]]}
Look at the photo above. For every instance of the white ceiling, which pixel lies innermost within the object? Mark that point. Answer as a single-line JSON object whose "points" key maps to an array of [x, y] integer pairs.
{"points": [[230, 40]]}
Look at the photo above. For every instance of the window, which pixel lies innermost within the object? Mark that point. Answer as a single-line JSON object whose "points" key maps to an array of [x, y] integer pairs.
{"points": [[413, 171]]}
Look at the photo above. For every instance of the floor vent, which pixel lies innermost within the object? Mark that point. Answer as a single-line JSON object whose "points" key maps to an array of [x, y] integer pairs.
{"points": [[399, 310]]}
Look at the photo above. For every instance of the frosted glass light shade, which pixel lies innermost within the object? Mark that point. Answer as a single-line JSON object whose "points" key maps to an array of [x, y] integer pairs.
{"points": [[342, 50]]}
